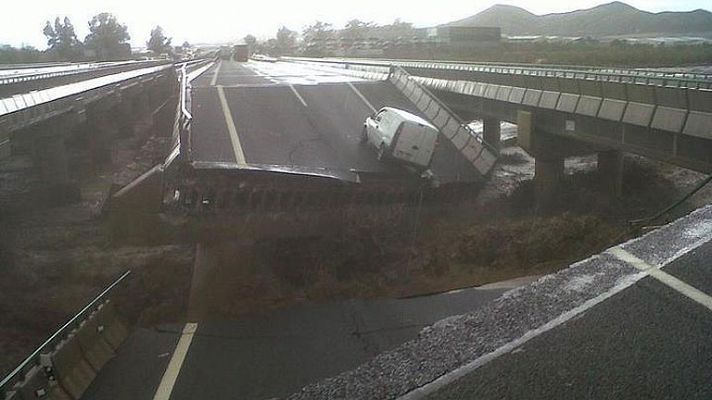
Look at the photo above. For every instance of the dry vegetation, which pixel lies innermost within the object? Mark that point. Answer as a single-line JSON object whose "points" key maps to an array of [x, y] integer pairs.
{"points": [[55, 260]]}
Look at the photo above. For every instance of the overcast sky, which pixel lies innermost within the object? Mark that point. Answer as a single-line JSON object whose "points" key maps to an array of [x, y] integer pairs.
{"points": [[226, 20]]}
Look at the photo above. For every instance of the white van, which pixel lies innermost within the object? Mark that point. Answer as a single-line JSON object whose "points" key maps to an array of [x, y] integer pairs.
{"points": [[402, 136]]}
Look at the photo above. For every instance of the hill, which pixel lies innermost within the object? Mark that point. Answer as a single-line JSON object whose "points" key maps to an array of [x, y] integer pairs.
{"points": [[609, 19]]}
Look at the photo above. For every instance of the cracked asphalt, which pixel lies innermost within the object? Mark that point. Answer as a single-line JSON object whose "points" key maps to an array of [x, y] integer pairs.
{"points": [[293, 115], [275, 354]]}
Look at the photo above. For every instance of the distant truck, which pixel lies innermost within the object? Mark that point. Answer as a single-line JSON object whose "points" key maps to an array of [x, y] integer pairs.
{"points": [[241, 52], [401, 136]]}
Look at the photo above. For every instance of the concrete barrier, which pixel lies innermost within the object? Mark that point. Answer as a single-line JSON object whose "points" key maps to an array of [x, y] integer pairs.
{"points": [[115, 328], [95, 348], [37, 385], [71, 369]]}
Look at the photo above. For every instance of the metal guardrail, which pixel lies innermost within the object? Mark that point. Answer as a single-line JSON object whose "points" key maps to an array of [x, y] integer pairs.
{"points": [[471, 145], [591, 68], [181, 146], [80, 69], [18, 374], [621, 76]]}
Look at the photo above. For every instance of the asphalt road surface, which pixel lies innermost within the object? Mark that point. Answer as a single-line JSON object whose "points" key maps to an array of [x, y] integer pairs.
{"points": [[275, 354], [648, 342], [293, 115]]}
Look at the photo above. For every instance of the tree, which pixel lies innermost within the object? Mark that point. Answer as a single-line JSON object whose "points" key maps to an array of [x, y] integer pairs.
{"points": [[285, 41], [357, 30], [108, 38], [158, 43], [316, 37], [318, 31], [251, 43], [398, 29], [62, 40]]}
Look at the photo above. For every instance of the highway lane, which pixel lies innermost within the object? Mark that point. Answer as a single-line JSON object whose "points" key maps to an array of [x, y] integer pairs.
{"points": [[648, 342], [276, 353], [291, 114]]}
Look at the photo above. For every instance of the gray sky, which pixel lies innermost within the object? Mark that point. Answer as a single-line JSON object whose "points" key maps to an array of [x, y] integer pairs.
{"points": [[221, 20]]}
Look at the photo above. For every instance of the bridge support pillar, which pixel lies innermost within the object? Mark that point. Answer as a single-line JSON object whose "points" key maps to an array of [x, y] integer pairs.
{"points": [[101, 130], [610, 170], [124, 118], [52, 163], [548, 173], [491, 132]]}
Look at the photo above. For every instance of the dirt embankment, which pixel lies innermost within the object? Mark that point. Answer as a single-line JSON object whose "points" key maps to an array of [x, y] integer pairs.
{"points": [[502, 234], [55, 260]]}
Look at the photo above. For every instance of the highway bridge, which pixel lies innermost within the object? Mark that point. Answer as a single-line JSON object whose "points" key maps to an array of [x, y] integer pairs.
{"points": [[265, 149]]}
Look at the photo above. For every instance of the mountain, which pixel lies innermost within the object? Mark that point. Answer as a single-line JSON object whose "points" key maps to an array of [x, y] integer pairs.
{"points": [[605, 20]]}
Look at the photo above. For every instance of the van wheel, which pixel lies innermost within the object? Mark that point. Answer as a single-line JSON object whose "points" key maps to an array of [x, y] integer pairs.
{"points": [[364, 136], [381, 152]]}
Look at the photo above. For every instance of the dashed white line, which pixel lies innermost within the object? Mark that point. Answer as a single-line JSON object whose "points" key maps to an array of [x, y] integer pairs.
{"points": [[174, 366], [236, 146], [663, 277], [215, 75], [301, 99], [363, 98]]}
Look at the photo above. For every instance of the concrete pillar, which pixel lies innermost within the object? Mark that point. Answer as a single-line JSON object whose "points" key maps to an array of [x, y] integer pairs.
{"points": [[123, 118], [548, 173], [52, 163], [100, 131], [491, 132], [141, 104], [610, 171], [51, 159]]}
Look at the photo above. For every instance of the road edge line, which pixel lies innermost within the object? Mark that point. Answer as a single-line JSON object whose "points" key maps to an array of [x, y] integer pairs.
{"points": [[170, 376], [450, 377]]}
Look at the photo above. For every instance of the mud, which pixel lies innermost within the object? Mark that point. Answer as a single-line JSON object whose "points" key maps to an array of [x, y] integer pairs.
{"points": [[55, 260]]}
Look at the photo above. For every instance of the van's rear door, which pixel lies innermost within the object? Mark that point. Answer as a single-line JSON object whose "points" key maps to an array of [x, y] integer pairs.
{"points": [[415, 143]]}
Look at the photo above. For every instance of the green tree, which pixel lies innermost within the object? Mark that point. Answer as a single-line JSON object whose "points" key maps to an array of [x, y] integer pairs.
{"points": [[107, 38], [62, 40], [357, 29], [316, 38], [251, 43], [318, 31], [285, 41], [158, 43]]}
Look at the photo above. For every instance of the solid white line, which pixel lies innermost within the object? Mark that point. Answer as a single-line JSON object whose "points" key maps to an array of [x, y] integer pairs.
{"points": [[304, 103], [236, 146], [365, 100], [215, 75], [664, 278], [176, 363], [444, 380]]}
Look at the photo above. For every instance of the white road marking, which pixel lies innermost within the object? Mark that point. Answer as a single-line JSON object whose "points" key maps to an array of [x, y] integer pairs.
{"points": [[215, 75], [365, 100], [236, 146], [304, 103], [174, 366], [444, 380], [645, 270], [663, 277]]}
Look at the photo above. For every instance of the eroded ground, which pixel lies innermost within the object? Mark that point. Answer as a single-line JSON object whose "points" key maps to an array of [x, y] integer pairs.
{"points": [[55, 260]]}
